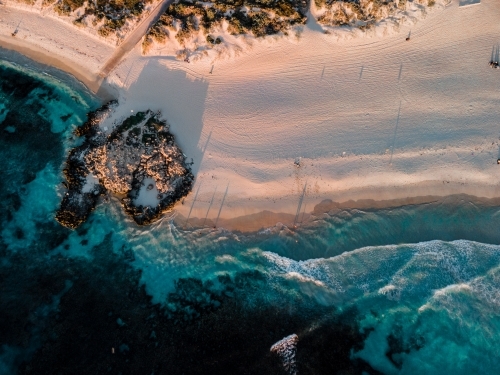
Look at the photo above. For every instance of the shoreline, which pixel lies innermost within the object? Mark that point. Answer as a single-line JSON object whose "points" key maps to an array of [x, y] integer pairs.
{"points": [[246, 124], [64, 54], [91, 81], [266, 219]]}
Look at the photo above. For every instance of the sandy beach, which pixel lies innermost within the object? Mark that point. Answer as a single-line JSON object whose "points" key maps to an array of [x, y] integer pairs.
{"points": [[291, 122]]}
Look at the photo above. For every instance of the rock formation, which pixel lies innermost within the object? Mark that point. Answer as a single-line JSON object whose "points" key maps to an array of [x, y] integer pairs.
{"points": [[138, 162]]}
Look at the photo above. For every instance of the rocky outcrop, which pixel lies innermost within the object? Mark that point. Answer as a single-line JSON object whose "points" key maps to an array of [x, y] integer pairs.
{"points": [[138, 161]]}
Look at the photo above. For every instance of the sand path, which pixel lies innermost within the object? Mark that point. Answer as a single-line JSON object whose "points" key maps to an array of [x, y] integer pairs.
{"points": [[134, 37]]}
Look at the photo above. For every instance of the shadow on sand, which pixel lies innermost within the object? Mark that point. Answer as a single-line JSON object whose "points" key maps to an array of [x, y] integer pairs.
{"points": [[180, 98]]}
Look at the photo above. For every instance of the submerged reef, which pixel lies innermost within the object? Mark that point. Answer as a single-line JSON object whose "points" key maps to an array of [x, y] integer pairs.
{"points": [[102, 321], [138, 161]]}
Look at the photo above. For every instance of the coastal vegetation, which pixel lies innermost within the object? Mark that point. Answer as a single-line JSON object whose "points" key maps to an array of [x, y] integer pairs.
{"points": [[198, 26], [108, 17], [360, 13], [258, 18]]}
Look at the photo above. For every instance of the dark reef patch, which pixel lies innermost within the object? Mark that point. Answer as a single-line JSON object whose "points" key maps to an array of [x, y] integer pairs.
{"points": [[104, 322], [398, 345], [328, 348], [31, 145], [28, 287]]}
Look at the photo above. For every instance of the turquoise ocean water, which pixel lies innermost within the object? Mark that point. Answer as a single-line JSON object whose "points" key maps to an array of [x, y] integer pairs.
{"points": [[408, 290]]}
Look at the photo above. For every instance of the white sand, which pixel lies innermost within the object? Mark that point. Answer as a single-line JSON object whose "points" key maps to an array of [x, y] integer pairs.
{"points": [[147, 197], [90, 183], [53, 42], [371, 117], [86, 27]]}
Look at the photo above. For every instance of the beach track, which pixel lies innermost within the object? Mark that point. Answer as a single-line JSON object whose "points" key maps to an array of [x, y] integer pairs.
{"points": [[135, 36]]}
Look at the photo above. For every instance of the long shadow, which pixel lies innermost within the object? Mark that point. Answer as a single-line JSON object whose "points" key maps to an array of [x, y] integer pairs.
{"points": [[464, 3], [204, 148], [495, 53], [210, 206], [395, 132], [303, 213], [192, 204], [222, 204], [17, 27], [301, 200], [181, 100]]}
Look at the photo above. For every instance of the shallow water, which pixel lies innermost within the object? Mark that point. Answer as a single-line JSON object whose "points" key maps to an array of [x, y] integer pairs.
{"points": [[406, 290]]}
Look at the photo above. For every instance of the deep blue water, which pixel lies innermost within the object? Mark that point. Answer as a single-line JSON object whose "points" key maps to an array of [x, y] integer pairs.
{"points": [[407, 290]]}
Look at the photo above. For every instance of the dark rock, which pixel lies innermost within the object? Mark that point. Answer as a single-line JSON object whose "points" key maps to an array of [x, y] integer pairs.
{"points": [[139, 156]]}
